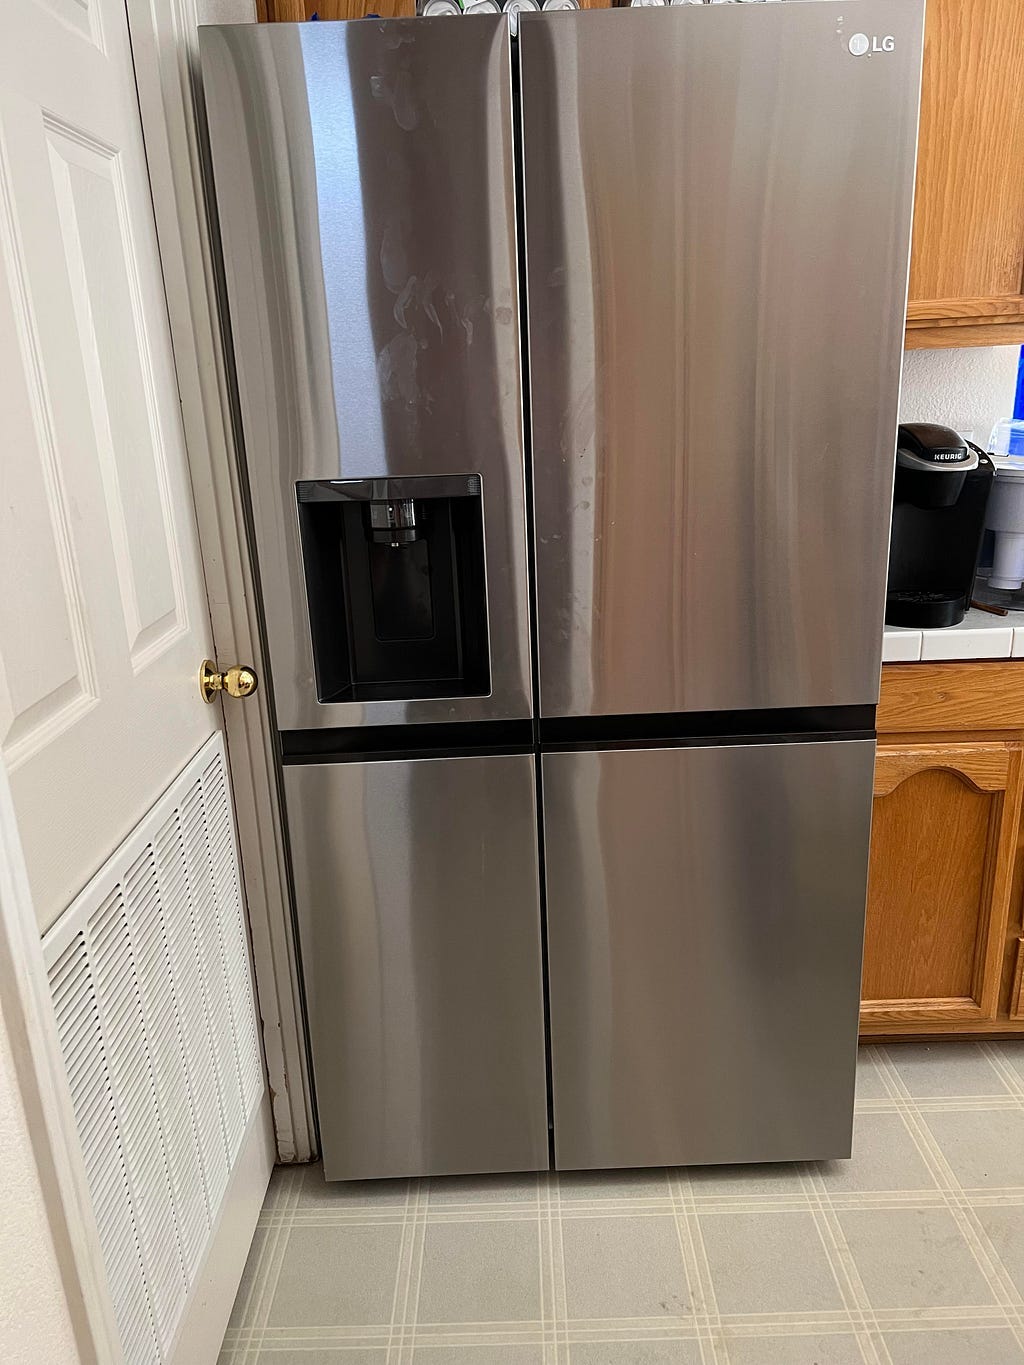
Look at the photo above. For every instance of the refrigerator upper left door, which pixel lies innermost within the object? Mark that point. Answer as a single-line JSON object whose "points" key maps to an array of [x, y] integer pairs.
{"points": [[365, 192]]}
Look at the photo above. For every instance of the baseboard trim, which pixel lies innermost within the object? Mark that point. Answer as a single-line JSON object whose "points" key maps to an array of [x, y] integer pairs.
{"points": [[208, 1308]]}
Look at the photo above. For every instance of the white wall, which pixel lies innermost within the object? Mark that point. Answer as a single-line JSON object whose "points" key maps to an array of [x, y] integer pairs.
{"points": [[35, 1328], [225, 11], [967, 389]]}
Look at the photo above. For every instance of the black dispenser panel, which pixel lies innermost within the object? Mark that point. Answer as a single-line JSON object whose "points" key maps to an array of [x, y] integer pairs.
{"points": [[396, 588]]}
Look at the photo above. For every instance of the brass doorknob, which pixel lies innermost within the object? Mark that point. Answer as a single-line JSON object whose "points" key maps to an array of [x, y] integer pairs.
{"points": [[240, 681]]}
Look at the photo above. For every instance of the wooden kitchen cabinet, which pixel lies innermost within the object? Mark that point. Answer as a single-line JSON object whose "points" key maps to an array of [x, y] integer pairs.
{"points": [[1016, 1009], [292, 11], [942, 856], [944, 941], [967, 260]]}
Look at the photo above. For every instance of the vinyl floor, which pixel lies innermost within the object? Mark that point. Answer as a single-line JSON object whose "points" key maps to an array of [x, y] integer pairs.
{"points": [[910, 1254]]}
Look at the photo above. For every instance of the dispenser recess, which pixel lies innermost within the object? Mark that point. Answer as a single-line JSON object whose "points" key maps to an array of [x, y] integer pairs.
{"points": [[395, 587]]}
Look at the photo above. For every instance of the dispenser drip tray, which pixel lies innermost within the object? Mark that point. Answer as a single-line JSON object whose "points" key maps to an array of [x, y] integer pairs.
{"points": [[923, 609]]}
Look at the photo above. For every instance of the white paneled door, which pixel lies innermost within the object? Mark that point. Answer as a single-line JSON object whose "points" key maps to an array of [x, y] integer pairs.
{"points": [[103, 617], [117, 768]]}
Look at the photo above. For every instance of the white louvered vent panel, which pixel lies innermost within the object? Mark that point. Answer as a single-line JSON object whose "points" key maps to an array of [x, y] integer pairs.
{"points": [[186, 972], [149, 976], [81, 1040], [234, 941], [170, 1074], [197, 855], [134, 1085]]}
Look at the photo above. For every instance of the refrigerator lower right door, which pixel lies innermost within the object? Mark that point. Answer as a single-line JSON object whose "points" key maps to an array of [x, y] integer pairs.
{"points": [[705, 911]]}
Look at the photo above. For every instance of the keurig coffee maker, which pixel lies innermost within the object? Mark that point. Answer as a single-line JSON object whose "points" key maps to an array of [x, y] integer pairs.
{"points": [[938, 516]]}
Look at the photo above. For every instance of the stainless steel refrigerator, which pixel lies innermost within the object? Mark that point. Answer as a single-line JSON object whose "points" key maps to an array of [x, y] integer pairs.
{"points": [[568, 372]]}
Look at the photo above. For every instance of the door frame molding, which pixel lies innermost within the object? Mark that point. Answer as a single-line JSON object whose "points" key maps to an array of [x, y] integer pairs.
{"points": [[163, 44], [165, 51]]}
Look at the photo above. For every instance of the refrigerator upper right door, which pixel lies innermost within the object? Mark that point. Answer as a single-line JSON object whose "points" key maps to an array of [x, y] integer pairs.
{"points": [[718, 207]]}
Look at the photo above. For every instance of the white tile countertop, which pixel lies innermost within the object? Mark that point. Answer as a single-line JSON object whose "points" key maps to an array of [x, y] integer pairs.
{"points": [[980, 635]]}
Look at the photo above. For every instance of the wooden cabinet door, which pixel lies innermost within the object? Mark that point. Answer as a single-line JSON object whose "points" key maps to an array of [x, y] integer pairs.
{"points": [[291, 11], [943, 843], [967, 263], [1016, 1010], [294, 11]]}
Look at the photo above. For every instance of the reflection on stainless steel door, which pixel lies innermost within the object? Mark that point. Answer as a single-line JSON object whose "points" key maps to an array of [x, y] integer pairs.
{"points": [[705, 920], [717, 220], [417, 890], [365, 192]]}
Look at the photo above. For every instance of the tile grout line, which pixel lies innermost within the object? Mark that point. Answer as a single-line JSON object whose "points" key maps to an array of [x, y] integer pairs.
{"points": [[987, 1259], [403, 1270], [710, 1339], [259, 1271], [1014, 1081], [956, 1200], [939, 1104], [561, 1297], [254, 1308], [688, 1256], [277, 1250], [843, 1265], [1009, 1075], [735, 1326], [548, 1312], [722, 1203], [418, 1255]]}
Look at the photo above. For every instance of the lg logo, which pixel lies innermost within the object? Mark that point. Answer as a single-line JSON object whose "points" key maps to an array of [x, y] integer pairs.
{"points": [[860, 44]]}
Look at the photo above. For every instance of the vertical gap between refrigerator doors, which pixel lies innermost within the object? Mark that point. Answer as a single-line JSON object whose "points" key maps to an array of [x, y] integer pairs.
{"points": [[524, 364]]}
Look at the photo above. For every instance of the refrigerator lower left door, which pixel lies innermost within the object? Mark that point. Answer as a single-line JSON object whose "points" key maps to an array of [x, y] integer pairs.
{"points": [[417, 890]]}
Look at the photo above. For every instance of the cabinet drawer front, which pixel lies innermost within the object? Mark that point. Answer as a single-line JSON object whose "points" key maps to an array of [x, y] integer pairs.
{"points": [[705, 915], [923, 699]]}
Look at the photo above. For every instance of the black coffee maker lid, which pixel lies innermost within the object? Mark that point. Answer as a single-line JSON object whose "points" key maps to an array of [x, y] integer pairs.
{"points": [[927, 447]]}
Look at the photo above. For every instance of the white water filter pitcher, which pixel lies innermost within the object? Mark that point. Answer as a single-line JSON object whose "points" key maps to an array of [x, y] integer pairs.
{"points": [[1005, 513]]}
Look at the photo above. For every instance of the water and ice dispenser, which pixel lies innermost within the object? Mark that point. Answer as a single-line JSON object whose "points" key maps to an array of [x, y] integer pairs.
{"points": [[395, 586]]}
